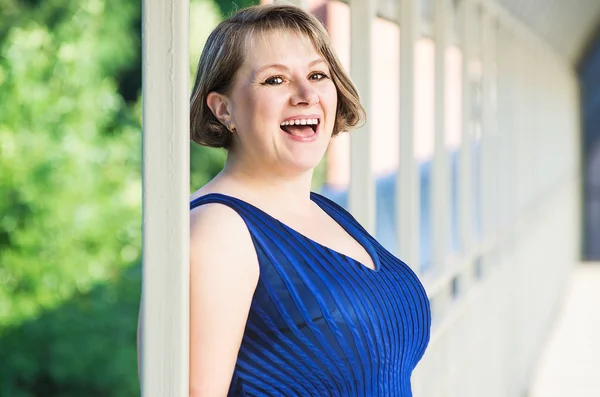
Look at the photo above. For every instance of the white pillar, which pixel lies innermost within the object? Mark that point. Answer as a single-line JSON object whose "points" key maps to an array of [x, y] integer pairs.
{"points": [[515, 132], [509, 55], [530, 123], [488, 120], [465, 196], [440, 191], [166, 188], [407, 182], [537, 106], [519, 108], [361, 194], [504, 128], [523, 101]]}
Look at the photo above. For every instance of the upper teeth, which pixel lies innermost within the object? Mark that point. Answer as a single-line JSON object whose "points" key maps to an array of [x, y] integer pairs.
{"points": [[301, 122]]}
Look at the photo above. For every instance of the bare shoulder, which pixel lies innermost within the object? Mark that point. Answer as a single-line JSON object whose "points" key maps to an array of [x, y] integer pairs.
{"points": [[218, 234]]}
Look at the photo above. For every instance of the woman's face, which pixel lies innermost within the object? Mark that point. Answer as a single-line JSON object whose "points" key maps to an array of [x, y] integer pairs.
{"points": [[283, 104]]}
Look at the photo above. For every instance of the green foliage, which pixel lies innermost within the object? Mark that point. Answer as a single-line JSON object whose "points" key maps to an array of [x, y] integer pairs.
{"points": [[69, 154], [84, 347], [71, 199], [228, 7]]}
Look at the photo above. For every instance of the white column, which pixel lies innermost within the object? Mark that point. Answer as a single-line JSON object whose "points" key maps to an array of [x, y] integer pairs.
{"points": [[488, 139], [529, 113], [519, 108], [407, 183], [465, 12], [524, 110], [504, 128], [509, 54], [166, 188], [537, 106], [499, 128], [440, 192], [361, 195], [496, 164], [515, 135], [545, 131]]}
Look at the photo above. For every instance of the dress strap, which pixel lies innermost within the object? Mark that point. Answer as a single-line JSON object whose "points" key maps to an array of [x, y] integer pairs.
{"points": [[209, 198], [247, 212]]}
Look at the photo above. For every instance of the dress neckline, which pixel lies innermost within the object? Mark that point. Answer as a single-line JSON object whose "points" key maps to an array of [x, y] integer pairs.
{"points": [[347, 225]]}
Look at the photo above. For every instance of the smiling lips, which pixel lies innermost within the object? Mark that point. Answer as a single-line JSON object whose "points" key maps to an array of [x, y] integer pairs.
{"points": [[302, 127]]}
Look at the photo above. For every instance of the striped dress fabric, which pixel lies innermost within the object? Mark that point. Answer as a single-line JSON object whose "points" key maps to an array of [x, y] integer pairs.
{"points": [[321, 323]]}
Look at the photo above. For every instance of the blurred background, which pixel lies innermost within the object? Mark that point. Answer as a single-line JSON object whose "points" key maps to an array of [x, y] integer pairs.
{"points": [[521, 122]]}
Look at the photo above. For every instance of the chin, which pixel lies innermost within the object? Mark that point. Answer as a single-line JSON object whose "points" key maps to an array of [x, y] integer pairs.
{"points": [[302, 164]]}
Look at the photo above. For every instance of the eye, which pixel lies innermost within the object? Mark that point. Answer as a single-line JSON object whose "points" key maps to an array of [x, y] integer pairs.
{"points": [[317, 76], [275, 80]]}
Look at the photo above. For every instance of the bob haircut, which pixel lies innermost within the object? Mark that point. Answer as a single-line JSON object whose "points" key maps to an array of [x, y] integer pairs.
{"points": [[223, 55]]}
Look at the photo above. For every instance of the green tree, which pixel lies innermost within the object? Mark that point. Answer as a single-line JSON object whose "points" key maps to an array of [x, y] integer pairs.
{"points": [[71, 198], [69, 154]]}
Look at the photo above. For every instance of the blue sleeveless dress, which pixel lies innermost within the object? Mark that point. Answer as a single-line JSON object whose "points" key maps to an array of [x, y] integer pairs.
{"points": [[322, 323]]}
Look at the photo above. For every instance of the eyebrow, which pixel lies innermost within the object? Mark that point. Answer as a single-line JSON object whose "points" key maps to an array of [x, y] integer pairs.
{"points": [[283, 67]]}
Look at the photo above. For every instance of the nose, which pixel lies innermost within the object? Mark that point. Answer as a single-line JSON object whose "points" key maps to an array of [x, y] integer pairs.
{"points": [[304, 94]]}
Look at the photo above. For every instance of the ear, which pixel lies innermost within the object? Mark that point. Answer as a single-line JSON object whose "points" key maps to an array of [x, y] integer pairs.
{"points": [[220, 106]]}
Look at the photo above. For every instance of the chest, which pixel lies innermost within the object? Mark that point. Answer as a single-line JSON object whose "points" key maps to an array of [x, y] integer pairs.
{"points": [[323, 230], [314, 292]]}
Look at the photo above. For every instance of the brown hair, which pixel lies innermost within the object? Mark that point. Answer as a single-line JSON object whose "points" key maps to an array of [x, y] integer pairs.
{"points": [[223, 55]]}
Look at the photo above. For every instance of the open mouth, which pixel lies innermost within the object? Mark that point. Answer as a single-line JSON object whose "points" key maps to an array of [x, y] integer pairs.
{"points": [[303, 128]]}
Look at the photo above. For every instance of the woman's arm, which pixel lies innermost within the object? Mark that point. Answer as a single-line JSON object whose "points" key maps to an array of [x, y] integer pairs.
{"points": [[223, 276]]}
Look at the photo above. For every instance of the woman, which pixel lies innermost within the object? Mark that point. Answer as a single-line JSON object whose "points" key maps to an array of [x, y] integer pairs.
{"points": [[290, 296]]}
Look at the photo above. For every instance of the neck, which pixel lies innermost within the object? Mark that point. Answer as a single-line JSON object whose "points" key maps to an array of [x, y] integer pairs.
{"points": [[285, 191]]}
